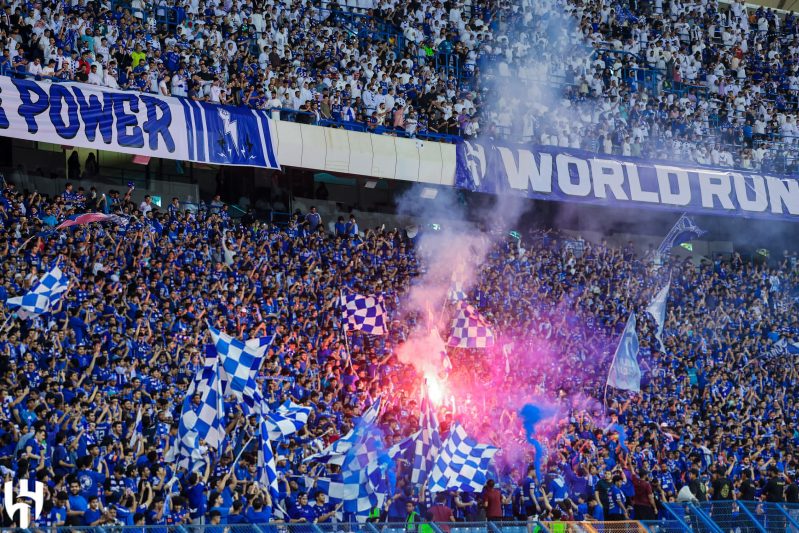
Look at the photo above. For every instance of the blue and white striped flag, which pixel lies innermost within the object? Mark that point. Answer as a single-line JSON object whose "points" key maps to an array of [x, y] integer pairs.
{"points": [[657, 308], [203, 419], [229, 135], [365, 313], [240, 361], [469, 329], [427, 441], [287, 420], [462, 464], [624, 371], [43, 296]]}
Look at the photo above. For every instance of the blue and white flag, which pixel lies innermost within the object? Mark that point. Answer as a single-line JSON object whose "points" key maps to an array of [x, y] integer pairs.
{"points": [[365, 313], [136, 433], [624, 371], [657, 308], [337, 452], [507, 349], [363, 468], [427, 441], [684, 230], [457, 292], [240, 361], [266, 468], [469, 329], [783, 347], [462, 463], [203, 419], [288, 419], [441, 349], [43, 296], [363, 483]]}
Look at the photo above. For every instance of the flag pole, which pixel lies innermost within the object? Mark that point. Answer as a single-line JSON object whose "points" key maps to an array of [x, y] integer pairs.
{"points": [[10, 316], [241, 452], [344, 334]]}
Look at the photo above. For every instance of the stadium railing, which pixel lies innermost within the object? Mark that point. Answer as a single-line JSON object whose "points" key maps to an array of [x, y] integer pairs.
{"points": [[743, 516], [727, 516], [692, 518], [628, 526]]}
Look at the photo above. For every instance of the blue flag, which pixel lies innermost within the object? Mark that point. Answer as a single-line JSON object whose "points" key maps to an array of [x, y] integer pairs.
{"points": [[624, 371], [229, 135]]}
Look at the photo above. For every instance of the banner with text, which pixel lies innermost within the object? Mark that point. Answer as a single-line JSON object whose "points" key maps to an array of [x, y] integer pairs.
{"points": [[554, 173], [87, 116]]}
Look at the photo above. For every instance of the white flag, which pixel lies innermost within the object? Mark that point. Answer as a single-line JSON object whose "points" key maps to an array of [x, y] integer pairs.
{"points": [[658, 311]]}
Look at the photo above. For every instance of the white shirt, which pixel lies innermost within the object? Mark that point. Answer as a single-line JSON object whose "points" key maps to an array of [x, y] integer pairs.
{"points": [[35, 68]]}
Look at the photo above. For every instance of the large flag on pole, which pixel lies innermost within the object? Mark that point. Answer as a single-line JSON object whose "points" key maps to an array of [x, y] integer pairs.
{"points": [[427, 441], [469, 329], [684, 230], [337, 452], [239, 362], [266, 468], [43, 296], [203, 419], [657, 308], [288, 419], [457, 292], [365, 313], [462, 463], [624, 371]]}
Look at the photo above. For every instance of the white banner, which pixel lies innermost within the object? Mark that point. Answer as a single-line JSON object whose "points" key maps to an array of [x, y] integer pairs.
{"points": [[88, 116]]}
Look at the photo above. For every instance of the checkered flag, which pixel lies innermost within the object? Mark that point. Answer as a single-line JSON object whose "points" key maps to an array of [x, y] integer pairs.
{"points": [[266, 468], [337, 452], [363, 486], [456, 292], [204, 419], [287, 420], [43, 296], [469, 329], [366, 313], [240, 361], [427, 441], [462, 464]]}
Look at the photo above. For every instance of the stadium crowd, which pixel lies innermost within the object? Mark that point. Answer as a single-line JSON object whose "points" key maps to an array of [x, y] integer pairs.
{"points": [[693, 81], [716, 418]]}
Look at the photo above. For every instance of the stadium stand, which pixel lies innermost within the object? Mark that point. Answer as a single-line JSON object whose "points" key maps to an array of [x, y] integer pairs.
{"points": [[706, 82], [93, 391]]}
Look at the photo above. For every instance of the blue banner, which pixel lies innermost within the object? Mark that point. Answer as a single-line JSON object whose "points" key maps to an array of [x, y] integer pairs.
{"points": [[554, 173], [624, 371], [88, 116]]}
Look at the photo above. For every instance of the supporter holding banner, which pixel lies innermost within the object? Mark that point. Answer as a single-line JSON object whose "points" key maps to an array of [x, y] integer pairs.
{"points": [[554, 173], [135, 123]]}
